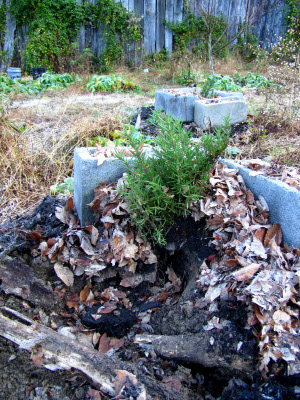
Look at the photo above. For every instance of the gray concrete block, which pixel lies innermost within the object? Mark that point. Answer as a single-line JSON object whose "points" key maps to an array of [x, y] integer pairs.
{"points": [[87, 176], [180, 102], [212, 113], [283, 201], [177, 102]]}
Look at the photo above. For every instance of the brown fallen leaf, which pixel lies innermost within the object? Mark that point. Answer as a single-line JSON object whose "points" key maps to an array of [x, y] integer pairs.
{"points": [[124, 378], [275, 232], [246, 272], [84, 294], [64, 273], [106, 344], [260, 234]]}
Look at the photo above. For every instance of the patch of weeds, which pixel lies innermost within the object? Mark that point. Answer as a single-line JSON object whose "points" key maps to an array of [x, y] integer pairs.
{"points": [[48, 80], [252, 80], [160, 187], [66, 187], [45, 82], [185, 77], [208, 87], [232, 84], [110, 83]]}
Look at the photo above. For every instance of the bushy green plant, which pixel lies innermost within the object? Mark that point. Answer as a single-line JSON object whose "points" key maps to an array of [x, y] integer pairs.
{"points": [[45, 82], [185, 77], [52, 27], [208, 87], [160, 188], [48, 80], [110, 83], [232, 84], [192, 33], [252, 80], [66, 187]]}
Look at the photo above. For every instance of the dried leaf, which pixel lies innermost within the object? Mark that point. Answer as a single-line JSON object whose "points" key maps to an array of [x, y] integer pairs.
{"points": [[247, 272], [64, 273], [106, 344], [123, 377], [275, 232], [260, 234], [84, 294]]}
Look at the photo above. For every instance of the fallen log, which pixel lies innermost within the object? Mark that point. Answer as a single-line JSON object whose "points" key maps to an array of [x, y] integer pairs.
{"points": [[54, 351], [201, 349]]}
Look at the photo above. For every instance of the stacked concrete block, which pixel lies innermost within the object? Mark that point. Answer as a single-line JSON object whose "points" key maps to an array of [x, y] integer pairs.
{"points": [[87, 176], [283, 201], [184, 104]]}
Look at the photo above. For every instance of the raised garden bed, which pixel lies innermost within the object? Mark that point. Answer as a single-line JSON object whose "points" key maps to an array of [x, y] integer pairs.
{"points": [[190, 106]]}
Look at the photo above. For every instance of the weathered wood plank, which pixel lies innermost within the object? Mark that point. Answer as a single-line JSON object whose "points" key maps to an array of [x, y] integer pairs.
{"points": [[139, 7], [9, 35], [169, 18], [130, 5], [124, 3], [160, 26], [149, 26], [198, 349], [178, 10]]}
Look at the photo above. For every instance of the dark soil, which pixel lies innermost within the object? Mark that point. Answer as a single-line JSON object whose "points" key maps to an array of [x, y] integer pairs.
{"points": [[186, 249]]}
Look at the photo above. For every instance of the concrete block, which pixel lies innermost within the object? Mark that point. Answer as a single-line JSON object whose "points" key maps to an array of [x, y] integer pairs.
{"points": [[212, 112], [180, 102], [87, 176], [283, 201], [177, 102]]}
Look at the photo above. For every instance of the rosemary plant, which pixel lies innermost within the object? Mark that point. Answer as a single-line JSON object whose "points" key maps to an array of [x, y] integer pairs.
{"points": [[160, 187]]}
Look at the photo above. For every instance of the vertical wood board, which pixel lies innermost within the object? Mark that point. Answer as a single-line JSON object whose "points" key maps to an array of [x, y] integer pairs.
{"points": [[149, 26], [160, 26], [168, 33]]}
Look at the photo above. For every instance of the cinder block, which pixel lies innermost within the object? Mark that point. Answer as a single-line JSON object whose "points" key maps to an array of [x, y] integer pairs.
{"points": [[177, 102], [211, 113], [87, 176], [283, 201], [180, 102]]}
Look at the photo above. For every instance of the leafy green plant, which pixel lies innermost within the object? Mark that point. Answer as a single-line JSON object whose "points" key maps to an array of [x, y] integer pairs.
{"points": [[252, 80], [45, 82], [185, 77], [110, 83], [208, 87], [66, 187], [52, 27], [48, 80], [160, 187]]}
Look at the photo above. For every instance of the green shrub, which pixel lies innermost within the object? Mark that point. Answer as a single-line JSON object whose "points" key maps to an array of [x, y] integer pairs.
{"points": [[185, 77], [66, 187], [45, 82], [160, 188], [110, 83]]}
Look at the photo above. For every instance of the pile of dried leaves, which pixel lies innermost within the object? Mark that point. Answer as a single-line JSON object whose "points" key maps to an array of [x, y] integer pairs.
{"points": [[115, 248], [252, 265], [289, 175]]}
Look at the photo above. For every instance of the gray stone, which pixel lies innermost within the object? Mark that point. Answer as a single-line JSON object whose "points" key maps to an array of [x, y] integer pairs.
{"points": [[283, 201], [211, 114], [87, 176]]}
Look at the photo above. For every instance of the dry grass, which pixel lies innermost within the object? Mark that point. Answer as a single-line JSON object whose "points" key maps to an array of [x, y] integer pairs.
{"points": [[38, 136]]}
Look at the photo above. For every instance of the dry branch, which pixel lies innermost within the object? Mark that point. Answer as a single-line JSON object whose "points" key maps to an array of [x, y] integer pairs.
{"points": [[55, 351], [198, 349]]}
